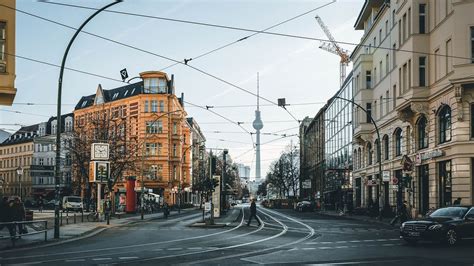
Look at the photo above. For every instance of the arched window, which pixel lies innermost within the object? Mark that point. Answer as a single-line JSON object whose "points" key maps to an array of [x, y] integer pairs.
{"points": [[359, 158], [422, 138], [444, 119], [369, 154], [355, 162], [398, 141], [377, 149], [385, 147]]}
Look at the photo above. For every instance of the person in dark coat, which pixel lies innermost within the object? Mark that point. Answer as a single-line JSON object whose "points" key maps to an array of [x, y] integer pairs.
{"points": [[253, 213], [457, 201], [19, 214], [3, 211], [40, 204]]}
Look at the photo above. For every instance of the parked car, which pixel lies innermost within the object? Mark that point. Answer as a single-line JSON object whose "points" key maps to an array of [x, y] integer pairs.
{"points": [[72, 203], [448, 225], [304, 206]]}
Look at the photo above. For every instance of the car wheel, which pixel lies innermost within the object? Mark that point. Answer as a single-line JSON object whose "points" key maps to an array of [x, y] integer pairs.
{"points": [[451, 237]]}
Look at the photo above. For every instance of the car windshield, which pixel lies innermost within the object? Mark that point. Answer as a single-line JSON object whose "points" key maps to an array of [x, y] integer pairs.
{"points": [[449, 212], [74, 199]]}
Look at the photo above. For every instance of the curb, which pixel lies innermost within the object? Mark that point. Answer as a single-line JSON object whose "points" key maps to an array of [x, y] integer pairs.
{"points": [[355, 219]]}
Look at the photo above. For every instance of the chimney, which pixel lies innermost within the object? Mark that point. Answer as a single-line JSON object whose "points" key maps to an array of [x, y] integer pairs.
{"points": [[181, 100]]}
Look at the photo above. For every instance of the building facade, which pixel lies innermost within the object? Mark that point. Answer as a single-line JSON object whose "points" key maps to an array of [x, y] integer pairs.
{"points": [[44, 158], [198, 161], [16, 152], [7, 52], [338, 148], [412, 72], [145, 126]]}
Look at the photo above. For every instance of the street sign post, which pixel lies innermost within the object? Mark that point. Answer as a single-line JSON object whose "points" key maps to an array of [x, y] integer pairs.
{"points": [[386, 176]]}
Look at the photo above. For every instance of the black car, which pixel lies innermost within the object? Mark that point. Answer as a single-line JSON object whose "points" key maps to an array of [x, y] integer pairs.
{"points": [[449, 225]]}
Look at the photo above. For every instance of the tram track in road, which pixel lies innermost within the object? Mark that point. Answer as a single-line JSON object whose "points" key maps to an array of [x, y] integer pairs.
{"points": [[15, 259]]}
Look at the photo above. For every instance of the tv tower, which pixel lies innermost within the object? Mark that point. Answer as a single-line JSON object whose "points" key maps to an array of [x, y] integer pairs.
{"points": [[257, 125]]}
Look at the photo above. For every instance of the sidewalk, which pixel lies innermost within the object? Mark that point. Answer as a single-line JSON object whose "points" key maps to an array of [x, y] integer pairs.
{"points": [[71, 232], [363, 218]]}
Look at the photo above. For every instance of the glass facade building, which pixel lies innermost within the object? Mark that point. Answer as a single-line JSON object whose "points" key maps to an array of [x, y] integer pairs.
{"points": [[338, 148]]}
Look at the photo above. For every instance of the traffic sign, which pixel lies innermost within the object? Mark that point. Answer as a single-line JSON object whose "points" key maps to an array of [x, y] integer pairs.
{"points": [[386, 176], [394, 180], [124, 74]]}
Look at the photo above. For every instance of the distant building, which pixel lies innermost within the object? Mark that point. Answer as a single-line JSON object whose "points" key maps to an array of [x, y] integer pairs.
{"points": [[198, 160], [7, 52], [145, 124], [4, 135], [244, 173]]}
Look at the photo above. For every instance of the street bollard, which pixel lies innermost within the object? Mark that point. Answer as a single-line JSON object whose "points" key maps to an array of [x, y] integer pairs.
{"points": [[61, 213], [67, 216], [82, 215], [74, 217]]}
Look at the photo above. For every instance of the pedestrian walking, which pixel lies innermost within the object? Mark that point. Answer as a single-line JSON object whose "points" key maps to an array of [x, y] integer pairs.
{"points": [[40, 204], [253, 213], [19, 215]]}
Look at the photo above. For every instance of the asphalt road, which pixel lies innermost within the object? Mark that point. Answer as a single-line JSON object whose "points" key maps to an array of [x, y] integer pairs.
{"points": [[285, 237]]}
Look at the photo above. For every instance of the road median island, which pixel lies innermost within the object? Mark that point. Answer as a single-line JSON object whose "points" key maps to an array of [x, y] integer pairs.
{"points": [[229, 217], [367, 219]]}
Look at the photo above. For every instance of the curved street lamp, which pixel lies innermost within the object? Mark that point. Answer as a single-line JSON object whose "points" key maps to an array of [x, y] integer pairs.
{"points": [[57, 172]]}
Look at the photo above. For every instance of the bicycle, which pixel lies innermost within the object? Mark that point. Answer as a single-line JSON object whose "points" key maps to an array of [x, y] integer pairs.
{"points": [[93, 217]]}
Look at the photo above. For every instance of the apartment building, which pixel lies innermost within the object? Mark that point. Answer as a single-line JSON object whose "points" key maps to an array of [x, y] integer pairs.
{"points": [[7, 52]]}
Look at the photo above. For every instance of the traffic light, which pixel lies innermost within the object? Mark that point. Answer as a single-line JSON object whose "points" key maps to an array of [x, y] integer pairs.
{"points": [[213, 164]]}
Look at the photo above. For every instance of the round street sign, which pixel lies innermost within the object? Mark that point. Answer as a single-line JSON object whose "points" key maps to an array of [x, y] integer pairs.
{"points": [[394, 180]]}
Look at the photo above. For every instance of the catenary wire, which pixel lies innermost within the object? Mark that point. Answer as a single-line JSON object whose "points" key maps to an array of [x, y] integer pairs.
{"points": [[256, 31], [152, 53]]}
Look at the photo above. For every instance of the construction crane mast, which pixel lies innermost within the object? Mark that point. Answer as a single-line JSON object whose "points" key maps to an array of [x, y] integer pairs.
{"points": [[334, 48]]}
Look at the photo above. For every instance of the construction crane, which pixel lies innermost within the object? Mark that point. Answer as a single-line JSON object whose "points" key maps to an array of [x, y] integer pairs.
{"points": [[334, 48]]}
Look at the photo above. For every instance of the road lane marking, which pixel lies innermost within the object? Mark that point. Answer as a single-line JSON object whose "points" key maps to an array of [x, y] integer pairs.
{"points": [[158, 249], [99, 259], [127, 258], [195, 248], [78, 260], [309, 248], [174, 249]]}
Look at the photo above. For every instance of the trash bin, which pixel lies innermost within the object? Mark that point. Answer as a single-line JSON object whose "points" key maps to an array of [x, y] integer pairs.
{"points": [[29, 215]]}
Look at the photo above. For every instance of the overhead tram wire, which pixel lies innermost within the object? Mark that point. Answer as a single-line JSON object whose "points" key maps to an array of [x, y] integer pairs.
{"points": [[251, 35], [150, 53], [24, 113], [250, 30]]}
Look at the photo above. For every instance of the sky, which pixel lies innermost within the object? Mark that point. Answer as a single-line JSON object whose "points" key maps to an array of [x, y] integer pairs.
{"points": [[291, 68]]}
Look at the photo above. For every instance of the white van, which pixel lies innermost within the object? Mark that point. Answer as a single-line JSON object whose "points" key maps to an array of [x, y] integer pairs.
{"points": [[72, 203]]}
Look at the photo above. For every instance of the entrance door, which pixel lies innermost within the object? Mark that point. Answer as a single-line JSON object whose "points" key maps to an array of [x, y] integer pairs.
{"points": [[423, 188]]}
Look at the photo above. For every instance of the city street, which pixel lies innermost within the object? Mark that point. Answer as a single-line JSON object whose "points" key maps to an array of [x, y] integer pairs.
{"points": [[285, 237]]}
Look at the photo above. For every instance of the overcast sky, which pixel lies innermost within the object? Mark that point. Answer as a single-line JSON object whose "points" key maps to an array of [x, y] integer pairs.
{"points": [[291, 68]]}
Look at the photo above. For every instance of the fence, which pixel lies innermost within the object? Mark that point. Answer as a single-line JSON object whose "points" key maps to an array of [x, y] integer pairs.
{"points": [[17, 234]]}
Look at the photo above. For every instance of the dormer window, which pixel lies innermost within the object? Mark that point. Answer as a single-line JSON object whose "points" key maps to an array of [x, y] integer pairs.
{"points": [[115, 96], [83, 104], [155, 85]]}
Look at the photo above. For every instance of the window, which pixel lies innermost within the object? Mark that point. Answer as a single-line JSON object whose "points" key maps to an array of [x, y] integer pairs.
{"points": [[377, 149], [162, 106], [437, 66], [3, 57], [472, 121], [445, 184], [385, 147], [150, 85], [387, 98], [154, 106], [394, 50], [393, 18], [404, 78], [369, 154], [175, 173], [368, 79], [387, 64], [404, 27], [146, 107], [174, 150], [162, 86], [151, 149], [380, 36], [398, 142], [422, 71], [375, 42], [421, 133], [115, 96], [375, 75], [449, 54], [409, 23], [422, 22], [41, 161], [386, 27], [380, 69], [381, 107], [154, 127], [472, 44], [175, 128], [368, 109], [444, 119]]}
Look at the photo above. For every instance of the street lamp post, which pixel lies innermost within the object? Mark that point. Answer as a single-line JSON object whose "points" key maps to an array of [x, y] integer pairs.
{"points": [[379, 153], [181, 171], [19, 171], [142, 206], [57, 172]]}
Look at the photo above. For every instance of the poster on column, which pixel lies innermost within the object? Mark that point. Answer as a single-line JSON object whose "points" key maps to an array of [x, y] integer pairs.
{"points": [[216, 196]]}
